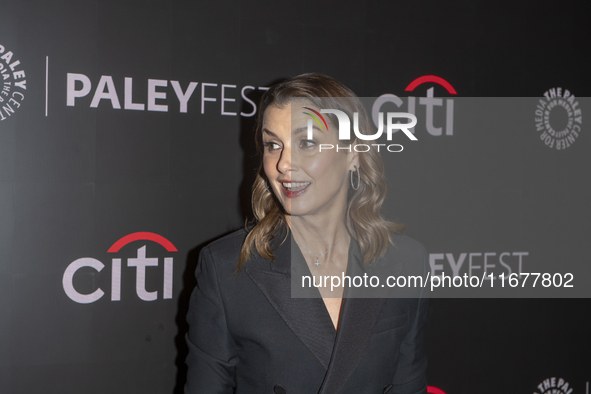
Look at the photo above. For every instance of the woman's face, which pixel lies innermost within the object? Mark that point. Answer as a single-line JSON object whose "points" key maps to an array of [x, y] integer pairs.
{"points": [[306, 181]]}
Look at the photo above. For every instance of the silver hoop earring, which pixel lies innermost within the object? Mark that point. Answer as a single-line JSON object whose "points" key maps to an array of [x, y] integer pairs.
{"points": [[358, 179], [267, 186]]}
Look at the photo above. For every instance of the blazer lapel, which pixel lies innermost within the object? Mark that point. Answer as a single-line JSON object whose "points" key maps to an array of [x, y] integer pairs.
{"points": [[338, 351], [356, 323], [306, 317]]}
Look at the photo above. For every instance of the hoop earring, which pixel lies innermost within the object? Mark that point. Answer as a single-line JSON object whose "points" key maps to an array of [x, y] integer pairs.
{"points": [[267, 186], [358, 179]]}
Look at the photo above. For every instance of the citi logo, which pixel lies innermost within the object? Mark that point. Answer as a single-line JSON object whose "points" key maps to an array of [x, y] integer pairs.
{"points": [[140, 262], [430, 103]]}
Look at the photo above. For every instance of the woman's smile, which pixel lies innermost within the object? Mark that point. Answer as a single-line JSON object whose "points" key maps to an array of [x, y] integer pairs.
{"points": [[294, 189]]}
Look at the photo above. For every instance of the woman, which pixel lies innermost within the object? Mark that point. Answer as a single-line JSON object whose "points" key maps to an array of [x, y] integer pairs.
{"points": [[248, 334]]}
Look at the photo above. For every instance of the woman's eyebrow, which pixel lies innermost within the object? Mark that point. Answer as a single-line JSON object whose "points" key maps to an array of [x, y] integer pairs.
{"points": [[267, 131], [294, 131], [305, 128]]}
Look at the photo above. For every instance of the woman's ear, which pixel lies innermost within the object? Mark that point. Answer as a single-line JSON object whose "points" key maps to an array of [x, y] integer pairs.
{"points": [[354, 158]]}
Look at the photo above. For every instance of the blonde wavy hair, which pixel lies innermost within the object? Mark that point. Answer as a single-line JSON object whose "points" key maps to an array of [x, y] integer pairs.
{"points": [[364, 221]]}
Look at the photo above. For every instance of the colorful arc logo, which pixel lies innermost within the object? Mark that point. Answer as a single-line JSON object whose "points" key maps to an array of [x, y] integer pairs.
{"points": [[315, 118]]}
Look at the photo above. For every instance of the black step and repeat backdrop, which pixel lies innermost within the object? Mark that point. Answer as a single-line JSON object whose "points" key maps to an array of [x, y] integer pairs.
{"points": [[126, 144]]}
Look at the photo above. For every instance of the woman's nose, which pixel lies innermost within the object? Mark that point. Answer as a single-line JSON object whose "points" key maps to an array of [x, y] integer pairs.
{"points": [[284, 165]]}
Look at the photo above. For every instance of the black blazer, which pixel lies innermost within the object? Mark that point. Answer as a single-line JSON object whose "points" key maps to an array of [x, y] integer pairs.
{"points": [[248, 335]]}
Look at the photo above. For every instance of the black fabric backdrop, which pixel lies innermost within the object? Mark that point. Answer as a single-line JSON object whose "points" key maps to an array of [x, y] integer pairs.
{"points": [[75, 178]]}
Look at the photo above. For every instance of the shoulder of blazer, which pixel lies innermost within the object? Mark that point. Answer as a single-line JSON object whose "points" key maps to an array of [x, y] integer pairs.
{"points": [[230, 243], [225, 253]]}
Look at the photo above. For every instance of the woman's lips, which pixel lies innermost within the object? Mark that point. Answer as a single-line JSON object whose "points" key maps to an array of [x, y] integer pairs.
{"points": [[294, 189]]}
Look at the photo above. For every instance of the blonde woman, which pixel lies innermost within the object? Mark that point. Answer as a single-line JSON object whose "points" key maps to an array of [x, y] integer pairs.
{"points": [[317, 213]]}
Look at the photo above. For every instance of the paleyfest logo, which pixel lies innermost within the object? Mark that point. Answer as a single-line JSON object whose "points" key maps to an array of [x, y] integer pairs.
{"points": [[140, 263], [14, 84], [558, 118]]}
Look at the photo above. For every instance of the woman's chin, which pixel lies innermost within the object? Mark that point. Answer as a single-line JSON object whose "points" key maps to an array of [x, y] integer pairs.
{"points": [[293, 209]]}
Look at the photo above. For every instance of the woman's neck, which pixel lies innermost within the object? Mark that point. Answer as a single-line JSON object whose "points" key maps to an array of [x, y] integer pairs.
{"points": [[323, 240], [320, 231]]}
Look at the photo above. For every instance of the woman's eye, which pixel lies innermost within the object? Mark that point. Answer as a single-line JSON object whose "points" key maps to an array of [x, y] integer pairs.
{"points": [[271, 146], [306, 144]]}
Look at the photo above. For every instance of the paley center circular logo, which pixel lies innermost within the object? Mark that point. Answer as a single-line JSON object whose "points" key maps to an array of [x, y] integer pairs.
{"points": [[13, 83], [554, 386], [558, 118]]}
